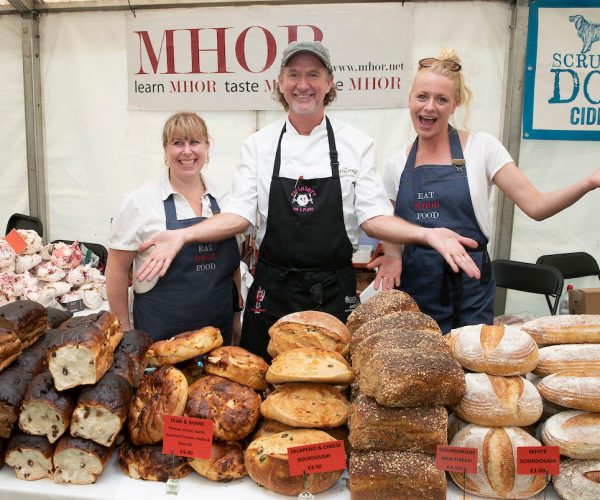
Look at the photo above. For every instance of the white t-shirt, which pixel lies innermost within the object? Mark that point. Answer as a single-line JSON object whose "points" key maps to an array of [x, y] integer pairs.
{"points": [[484, 156], [142, 216], [363, 196]]}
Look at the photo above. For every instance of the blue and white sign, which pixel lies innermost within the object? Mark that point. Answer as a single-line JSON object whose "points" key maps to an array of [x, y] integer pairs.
{"points": [[562, 74]]}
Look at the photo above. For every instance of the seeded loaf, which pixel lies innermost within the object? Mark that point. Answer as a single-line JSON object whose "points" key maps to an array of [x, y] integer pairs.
{"points": [[383, 303], [79, 461]]}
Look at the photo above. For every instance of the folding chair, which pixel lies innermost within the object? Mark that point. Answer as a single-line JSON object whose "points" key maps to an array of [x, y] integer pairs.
{"points": [[532, 278], [22, 221], [572, 265]]}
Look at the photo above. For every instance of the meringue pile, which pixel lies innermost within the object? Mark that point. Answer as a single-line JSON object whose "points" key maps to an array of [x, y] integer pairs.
{"points": [[52, 274]]}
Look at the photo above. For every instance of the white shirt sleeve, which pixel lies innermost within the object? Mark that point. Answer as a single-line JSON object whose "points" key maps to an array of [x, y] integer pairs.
{"points": [[124, 233], [394, 166]]}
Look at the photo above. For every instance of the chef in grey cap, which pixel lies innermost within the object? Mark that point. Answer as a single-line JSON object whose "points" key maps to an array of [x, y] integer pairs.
{"points": [[309, 184]]}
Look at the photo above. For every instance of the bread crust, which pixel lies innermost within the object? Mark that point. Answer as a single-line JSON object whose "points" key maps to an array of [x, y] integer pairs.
{"points": [[14, 382], [578, 479], [310, 365], [79, 461], [226, 462], [26, 318], [237, 364], [577, 433], [10, 347], [564, 329], [580, 358], [135, 344], [30, 456], [149, 463], [381, 304], [572, 390], [184, 346]]}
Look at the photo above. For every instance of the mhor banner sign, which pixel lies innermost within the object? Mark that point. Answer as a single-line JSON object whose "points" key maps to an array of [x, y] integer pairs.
{"points": [[562, 74], [228, 58]]}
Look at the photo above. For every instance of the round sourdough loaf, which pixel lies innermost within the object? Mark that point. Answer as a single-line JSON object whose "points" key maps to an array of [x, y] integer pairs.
{"points": [[149, 463], [578, 480], [497, 350], [307, 364], [306, 405], [499, 401], [568, 357], [184, 346], [226, 462], [308, 329], [268, 427], [564, 329], [572, 389], [161, 392], [238, 365], [234, 408], [266, 461], [496, 475], [576, 432], [383, 303]]}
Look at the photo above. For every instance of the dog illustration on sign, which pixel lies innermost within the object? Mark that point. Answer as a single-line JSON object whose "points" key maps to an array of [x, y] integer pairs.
{"points": [[588, 32]]}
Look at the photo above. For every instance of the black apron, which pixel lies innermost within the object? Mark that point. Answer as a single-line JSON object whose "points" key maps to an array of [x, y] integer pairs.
{"points": [[305, 258], [197, 289], [439, 196]]}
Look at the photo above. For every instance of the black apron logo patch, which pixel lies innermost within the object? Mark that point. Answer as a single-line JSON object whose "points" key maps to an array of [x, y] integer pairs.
{"points": [[303, 199]]}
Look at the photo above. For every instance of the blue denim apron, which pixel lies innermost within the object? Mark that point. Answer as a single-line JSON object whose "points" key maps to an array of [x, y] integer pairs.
{"points": [[197, 289], [438, 196]]}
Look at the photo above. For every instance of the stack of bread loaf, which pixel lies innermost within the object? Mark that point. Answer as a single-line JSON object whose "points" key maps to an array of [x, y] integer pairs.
{"points": [[307, 404], [223, 391], [70, 392], [568, 378], [406, 375], [50, 274], [497, 404]]}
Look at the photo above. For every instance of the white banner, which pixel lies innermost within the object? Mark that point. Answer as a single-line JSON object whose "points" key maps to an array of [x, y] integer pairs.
{"points": [[228, 58]]}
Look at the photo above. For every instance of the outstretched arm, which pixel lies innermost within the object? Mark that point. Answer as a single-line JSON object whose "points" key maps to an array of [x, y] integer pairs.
{"points": [[168, 243], [450, 245], [534, 203]]}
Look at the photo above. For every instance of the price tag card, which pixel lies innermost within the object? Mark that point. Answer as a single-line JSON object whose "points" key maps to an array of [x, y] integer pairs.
{"points": [[319, 457], [187, 436], [75, 306], [537, 460], [16, 241], [456, 459]]}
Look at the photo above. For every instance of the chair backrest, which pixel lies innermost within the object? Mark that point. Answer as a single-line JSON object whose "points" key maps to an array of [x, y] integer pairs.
{"points": [[533, 278], [572, 265], [22, 221], [97, 248]]}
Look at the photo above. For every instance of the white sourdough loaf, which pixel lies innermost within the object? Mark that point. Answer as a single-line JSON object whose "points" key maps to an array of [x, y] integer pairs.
{"points": [[564, 329], [568, 357], [577, 433], [578, 480], [572, 389]]}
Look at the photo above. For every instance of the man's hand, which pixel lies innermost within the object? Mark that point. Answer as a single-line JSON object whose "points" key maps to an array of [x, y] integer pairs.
{"points": [[166, 246], [389, 268], [451, 247]]}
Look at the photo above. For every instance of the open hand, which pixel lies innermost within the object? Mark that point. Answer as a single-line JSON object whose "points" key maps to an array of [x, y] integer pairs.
{"points": [[451, 247], [389, 268], [165, 245]]}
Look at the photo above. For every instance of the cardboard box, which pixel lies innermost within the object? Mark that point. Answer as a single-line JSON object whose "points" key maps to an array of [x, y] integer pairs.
{"points": [[584, 301]]}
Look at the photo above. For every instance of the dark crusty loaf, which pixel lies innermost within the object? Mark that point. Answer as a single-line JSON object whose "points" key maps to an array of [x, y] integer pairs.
{"points": [[411, 377], [226, 462], [383, 303], [57, 317], [79, 461], [30, 456], [27, 318], [135, 344], [10, 347], [238, 365], [84, 351], [35, 357], [234, 408], [101, 410], [161, 392], [14, 382], [266, 461], [46, 411], [123, 366], [149, 463], [390, 475], [376, 427], [402, 320]]}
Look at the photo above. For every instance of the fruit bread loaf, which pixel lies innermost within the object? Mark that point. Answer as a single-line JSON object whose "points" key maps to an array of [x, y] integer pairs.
{"points": [[499, 401], [564, 329], [10, 347], [161, 392], [57, 317], [376, 427], [79, 461], [306, 364], [578, 479], [149, 463], [308, 329], [386, 302], [35, 357], [577, 433], [580, 391], [226, 462], [390, 475], [497, 350], [266, 461], [30, 456], [46, 411], [123, 366], [233, 408], [238, 365], [568, 357], [496, 475], [184, 346], [101, 410], [135, 344], [26, 318], [14, 382]]}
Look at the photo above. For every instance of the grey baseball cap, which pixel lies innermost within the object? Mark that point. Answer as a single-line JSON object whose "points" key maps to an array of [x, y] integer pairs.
{"points": [[316, 49]]}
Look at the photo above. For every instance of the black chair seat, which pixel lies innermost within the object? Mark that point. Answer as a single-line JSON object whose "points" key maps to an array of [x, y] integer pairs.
{"points": [[22, 221], [532, 278]]}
